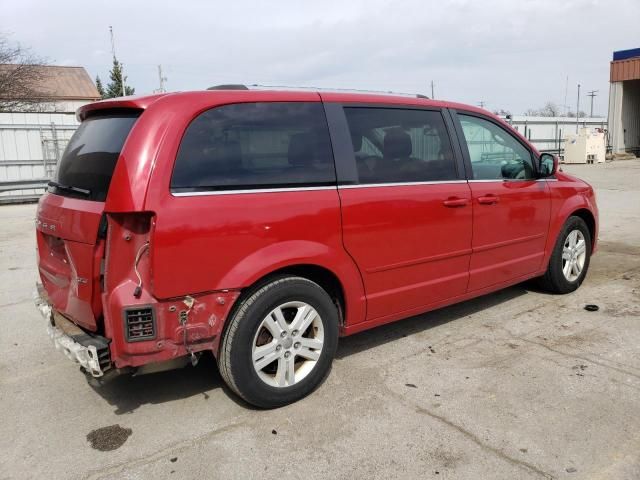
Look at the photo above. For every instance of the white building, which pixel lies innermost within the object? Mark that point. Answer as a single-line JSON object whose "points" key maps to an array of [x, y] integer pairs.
{"points": [[32, 142]]}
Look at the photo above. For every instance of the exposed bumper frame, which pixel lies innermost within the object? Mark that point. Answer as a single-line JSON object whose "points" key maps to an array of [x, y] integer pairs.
{"points": [[85, 355]]}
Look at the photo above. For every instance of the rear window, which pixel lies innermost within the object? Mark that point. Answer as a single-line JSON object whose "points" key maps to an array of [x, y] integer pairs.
{"points": [[91, 155], [255, 145]]}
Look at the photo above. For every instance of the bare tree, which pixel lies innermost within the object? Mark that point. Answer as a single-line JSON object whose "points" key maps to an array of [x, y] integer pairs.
{"points": [[22, 78], [571, 113], [502, 111], [550, 109]]}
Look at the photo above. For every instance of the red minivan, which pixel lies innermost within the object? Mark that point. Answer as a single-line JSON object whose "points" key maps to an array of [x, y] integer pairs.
{"points": [[263, 225]]}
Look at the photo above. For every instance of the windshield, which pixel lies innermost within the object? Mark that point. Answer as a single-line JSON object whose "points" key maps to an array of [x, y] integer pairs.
{"points": [[91, 155]]}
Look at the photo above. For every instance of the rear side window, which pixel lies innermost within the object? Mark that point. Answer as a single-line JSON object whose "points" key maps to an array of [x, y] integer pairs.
{"points": [[393, 145], [255, 145], [91, 155]]}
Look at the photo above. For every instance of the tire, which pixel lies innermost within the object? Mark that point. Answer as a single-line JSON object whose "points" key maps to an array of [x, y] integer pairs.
{"points": [[295, 362], [555, 279]]}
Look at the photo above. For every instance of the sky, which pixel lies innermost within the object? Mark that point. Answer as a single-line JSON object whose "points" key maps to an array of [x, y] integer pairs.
{"points": [[509, 54]]}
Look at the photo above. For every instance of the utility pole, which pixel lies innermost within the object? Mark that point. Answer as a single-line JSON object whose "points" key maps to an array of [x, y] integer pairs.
{"points": [[578, 109], [566, 92], [113, 52], [162, 79], [481, 103], [592, 93], [432, 95]]}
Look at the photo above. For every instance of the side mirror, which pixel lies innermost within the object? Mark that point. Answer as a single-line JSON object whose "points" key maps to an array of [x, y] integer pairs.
{"points": [[547, 165]]}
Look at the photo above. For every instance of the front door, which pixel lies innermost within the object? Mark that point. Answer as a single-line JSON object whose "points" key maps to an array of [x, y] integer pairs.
{"points": [[407, 216], [510, 207]]}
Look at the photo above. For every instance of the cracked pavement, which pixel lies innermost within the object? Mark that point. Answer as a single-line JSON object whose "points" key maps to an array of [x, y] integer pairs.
{"points": [[513, 385]]}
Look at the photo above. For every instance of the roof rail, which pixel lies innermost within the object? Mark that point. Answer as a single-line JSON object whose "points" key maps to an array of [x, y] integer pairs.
{"points": [[229, 86], [257, 86]]}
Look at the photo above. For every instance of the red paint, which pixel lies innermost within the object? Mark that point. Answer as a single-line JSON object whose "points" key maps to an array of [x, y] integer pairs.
{"points": [[510, 224], [411, 249], [396, 250], [70, 268]]}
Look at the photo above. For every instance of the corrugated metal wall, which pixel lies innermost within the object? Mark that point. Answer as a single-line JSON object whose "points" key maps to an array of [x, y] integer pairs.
{"points": [[624, 116], [30, 145], [622, 70], [630, 114], [547, 133]]}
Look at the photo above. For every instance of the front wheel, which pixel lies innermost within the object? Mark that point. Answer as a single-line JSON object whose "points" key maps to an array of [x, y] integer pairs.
{"points": [[570, 258], [280, 342]]}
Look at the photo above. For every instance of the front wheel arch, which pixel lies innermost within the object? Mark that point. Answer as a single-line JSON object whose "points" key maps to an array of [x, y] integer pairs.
{"points": [[553, 280], [589, 219]]}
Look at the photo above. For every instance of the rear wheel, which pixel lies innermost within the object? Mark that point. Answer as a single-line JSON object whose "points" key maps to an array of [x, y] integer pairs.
{"points": [[570, 259], [280, 342]]}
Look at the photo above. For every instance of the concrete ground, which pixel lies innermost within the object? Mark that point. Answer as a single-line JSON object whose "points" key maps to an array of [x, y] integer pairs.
{"points": [[517, 384]]}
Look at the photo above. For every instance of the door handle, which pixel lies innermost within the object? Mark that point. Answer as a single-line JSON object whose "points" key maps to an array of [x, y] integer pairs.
{"points": [[454, 202], [488, 199]]}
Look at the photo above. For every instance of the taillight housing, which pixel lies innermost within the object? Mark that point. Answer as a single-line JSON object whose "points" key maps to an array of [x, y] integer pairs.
{"points": [[139, 323]]}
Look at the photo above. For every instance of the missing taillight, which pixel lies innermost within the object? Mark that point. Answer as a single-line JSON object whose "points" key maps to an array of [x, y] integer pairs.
{"points": [[138, 290], [127, 246], [140, 324]]}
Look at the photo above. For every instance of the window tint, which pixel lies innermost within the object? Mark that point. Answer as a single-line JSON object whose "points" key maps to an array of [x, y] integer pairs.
{"points": [[91, 155], [495, 154], [400, 145], [255, 145]]}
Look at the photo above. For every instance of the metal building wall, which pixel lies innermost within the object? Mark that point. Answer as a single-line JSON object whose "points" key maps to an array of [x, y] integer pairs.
{"points": [[616, 133], [30, 145], [547, 133], [624, 116], [624, 102], [630, 114]]}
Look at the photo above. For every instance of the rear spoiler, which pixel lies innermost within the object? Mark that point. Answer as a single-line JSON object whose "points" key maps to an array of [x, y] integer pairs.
{"points": [[129, 103]]}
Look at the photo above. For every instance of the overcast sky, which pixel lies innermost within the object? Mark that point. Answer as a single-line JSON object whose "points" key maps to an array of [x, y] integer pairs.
{"points": [[511, 54]]}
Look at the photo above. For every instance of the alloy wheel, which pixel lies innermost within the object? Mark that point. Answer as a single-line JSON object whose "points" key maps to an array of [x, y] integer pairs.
{"points": [[574, 254], [288, 344]]}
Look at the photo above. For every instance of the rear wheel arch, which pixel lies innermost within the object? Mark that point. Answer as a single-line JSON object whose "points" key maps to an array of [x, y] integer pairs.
{"points": [[241, 341], [320, 275], [324, 277]]}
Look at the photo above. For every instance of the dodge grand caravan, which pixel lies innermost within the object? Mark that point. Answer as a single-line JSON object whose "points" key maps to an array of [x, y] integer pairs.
{"points": [[263, 225]]}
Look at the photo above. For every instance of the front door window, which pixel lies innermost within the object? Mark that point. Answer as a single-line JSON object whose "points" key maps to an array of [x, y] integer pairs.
{"points": [[494, 153]]}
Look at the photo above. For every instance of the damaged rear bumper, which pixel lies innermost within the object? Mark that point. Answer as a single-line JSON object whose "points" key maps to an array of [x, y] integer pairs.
{"points": [[90, 351]]}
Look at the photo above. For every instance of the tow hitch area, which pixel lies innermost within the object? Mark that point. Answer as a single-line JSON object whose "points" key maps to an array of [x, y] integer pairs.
{"points": [[90, 351]]}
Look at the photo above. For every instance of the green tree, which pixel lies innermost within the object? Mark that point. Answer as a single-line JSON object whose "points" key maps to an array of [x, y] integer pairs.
{"points": [[118, 81], [100, 87]]}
